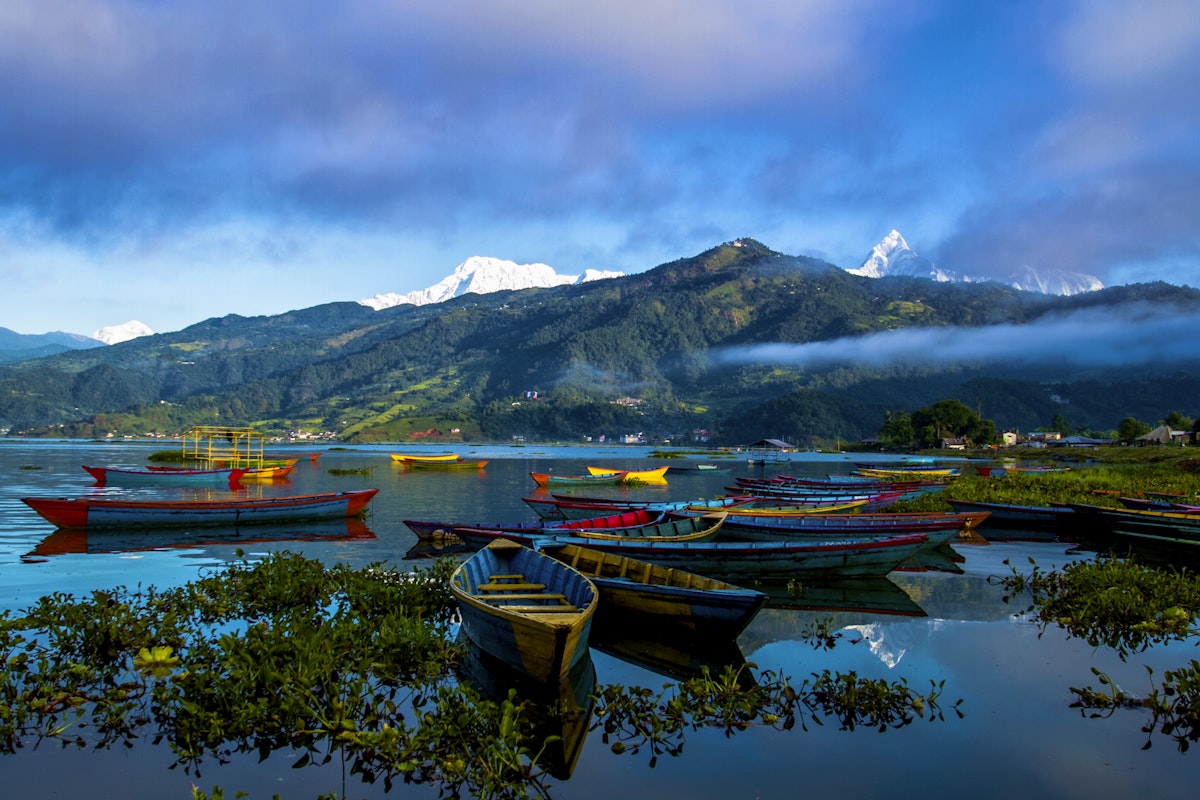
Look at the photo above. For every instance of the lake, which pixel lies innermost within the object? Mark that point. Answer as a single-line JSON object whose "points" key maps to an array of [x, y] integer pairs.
{"points": [[1018, 737]]}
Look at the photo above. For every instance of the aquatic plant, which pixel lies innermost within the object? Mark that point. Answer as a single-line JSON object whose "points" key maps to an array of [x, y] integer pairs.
{"points": [[1127, 607], [1111, 602], [286, 655], [636, 718]]}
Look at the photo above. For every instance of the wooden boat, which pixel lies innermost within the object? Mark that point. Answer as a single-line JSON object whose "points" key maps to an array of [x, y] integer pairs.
{"points": [[1050, 519], [647, 598], [673, 528], [940, 528], [656, 475], [1155, 504], [560, 507], [767, 560], [880, 471], [406, 458], [697, 469], [111, 512], [754, 510], [1125, 522], [551, 479], [160, 476], [462, 464], [266, 474], [525, 608], [437, 531]]}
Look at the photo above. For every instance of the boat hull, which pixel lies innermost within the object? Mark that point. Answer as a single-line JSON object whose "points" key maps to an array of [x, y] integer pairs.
{"points": [[86, 512], [743, 561], [647, 599], [165, 476], [542, 644]]}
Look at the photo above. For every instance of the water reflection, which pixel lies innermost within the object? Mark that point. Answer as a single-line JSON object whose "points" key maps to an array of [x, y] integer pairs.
{"points": [[563, 710], [77, 540], [676, 660]]}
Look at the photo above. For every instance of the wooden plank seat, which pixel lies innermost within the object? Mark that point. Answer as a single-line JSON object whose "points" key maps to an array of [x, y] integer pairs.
{"points": [[510, 587], [556, 609], [500, 589]]}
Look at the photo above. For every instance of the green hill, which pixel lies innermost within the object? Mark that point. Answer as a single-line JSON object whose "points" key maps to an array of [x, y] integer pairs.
{"points": [[648, 353]]}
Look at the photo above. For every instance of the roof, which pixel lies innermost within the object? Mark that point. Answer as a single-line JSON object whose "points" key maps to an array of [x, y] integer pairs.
{"points": [[772, 444], [1161, 434]]}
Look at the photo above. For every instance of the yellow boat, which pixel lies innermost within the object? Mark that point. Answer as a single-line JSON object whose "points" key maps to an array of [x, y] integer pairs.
{"points": [[657, 475], [262, 474], [404, 458]]}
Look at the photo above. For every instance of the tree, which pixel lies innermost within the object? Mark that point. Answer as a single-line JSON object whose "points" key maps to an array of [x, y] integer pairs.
{"points": [[1060, 425], [1176, 421], [898, 430], [1131, 428], [950, 419]]}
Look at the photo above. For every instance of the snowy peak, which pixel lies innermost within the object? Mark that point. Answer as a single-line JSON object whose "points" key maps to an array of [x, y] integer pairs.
{"points": [[482, 275], [115, 334], [893, 256], [1054, 282]]}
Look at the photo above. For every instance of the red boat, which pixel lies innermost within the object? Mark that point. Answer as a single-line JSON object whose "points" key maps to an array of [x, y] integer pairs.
{"points": [[112, 512]]}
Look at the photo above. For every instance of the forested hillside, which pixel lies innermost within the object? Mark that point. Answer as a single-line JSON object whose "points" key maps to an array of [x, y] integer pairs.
{"points": [[643, 353]]}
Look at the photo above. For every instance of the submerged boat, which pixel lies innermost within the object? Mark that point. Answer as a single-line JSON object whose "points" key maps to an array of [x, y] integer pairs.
{"points": [[525, 608], [645, 598], [164, 476], [112, 512]]}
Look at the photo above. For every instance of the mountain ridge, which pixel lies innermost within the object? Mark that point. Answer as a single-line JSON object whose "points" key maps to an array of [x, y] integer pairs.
{"points": [[661, 337]]}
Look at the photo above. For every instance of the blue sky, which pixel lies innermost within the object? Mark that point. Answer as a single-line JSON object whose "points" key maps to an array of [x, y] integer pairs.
{"points": [[174, 160]]}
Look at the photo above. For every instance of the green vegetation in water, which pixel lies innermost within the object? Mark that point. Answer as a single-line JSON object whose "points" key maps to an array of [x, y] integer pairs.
{"points": [[1127, 607], [285, 654], [1100, 484], [30, 466], [350, 471]]}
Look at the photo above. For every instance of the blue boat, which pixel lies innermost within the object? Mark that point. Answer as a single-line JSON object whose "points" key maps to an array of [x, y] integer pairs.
{"points": [[525, 608]]}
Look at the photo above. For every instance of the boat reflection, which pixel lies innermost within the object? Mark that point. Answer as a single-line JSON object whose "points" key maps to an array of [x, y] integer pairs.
{"points": [[436, 548], [677, 660], [844, 595], [80, 540], [563, 710], [942, 558]]}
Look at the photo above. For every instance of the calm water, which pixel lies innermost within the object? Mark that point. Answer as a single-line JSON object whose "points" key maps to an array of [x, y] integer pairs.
{"points": [[1019, 738]]}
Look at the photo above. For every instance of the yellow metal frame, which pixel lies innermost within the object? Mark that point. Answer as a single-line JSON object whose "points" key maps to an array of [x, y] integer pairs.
{"points": [[216, 445]]}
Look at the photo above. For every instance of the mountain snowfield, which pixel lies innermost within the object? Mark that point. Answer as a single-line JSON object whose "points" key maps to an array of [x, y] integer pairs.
{"points": [[114, 334], [482, 275], [893, 256]]}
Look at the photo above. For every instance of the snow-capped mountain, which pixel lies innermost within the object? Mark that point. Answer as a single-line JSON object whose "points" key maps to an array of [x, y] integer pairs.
{"points": [[1054, 282], [893, 256], [114, 334], [482, 275]]}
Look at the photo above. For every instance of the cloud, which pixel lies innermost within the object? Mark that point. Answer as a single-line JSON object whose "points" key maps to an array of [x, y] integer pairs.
{"points": [[1095, 337]]}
